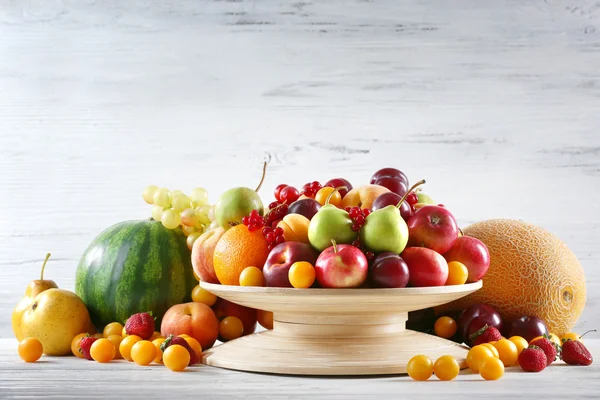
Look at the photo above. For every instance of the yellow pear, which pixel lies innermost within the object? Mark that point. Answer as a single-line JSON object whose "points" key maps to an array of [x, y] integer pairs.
{"points": [[55, 318], [35, 287]]}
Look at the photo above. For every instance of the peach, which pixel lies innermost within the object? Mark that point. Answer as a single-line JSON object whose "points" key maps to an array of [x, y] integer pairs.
{"points": [[202, 254], [363, 196], [295, 228], [195, 319]]}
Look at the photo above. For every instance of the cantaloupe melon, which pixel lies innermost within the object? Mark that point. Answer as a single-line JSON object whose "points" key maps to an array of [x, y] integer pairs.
{"points": [[532, 272]]}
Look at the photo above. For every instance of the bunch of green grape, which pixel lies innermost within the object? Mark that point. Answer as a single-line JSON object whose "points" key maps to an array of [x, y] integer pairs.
{"points": [[174, 208]]}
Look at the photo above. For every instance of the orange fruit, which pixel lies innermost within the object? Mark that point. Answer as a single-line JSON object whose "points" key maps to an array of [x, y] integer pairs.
{"points": [[237, 249], [75, 344], [265, 319], [532, 272], [30, 349]]}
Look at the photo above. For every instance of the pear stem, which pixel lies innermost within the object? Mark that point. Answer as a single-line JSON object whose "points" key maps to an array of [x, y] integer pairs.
{"points": [[337, 189], [262, 178], [44, 266], [413, 187], [334, 245]]}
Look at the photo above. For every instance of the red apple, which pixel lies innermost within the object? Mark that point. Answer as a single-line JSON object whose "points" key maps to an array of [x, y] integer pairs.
{"points": [[433, 227], [282, 257], [426, 267], [341, 266], [195, 319], [390, 172], [473, 254], [224, 308], [337, 182], [388, 271]]}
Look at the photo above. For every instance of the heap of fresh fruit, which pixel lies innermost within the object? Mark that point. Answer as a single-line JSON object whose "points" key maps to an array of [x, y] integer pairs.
{"points": [[384, 234]]}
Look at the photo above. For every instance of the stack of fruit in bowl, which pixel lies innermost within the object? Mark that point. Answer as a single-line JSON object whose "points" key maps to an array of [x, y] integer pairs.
{"points": [[383, 234]]}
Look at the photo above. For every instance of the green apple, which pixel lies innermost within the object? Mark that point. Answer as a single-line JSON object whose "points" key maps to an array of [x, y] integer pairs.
{"points": [[330, 223], [423, 198], [385, 230]]}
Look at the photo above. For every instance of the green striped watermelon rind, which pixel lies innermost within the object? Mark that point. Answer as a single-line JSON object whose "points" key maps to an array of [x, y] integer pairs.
{"points": [[134, 266]]}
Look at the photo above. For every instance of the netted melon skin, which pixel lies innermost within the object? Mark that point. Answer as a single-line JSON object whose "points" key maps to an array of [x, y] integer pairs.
{"points": [[532, 272]]}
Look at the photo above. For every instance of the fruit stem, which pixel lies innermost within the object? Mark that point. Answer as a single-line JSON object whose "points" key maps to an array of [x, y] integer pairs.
{"points": [[44, 266], [262, 178], [337, 189], [591, 330], [413, 187], [334, 245]]}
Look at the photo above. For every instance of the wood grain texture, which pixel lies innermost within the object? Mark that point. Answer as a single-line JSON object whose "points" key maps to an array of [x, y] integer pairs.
{"points": [[495, 103], [71, 377], [320, 331]]}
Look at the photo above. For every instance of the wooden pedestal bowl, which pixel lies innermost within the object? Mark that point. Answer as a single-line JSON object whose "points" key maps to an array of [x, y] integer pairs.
{"points": [[335, 331]]}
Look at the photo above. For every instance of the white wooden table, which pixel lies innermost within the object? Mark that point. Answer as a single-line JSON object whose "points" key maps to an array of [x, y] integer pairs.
{"points": [[70, 377]]}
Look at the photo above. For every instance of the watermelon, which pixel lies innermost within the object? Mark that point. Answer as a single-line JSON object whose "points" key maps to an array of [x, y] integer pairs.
{"points": [[131, 267]]}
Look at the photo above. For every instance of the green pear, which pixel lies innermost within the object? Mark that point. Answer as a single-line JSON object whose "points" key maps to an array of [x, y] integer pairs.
{"points": [[329, 223], [385, 230], [234, 204], [423, 198]]}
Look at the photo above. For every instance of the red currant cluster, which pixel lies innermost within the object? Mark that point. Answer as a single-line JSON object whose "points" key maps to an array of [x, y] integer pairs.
{"points": [[358, 216], [276, 213], [412, 199], [369, 254], [253, 221], [274, 236], [310, 189]]}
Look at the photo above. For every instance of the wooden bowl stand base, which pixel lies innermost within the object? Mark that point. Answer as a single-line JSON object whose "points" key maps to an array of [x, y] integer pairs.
{"points": [[330, 344]]}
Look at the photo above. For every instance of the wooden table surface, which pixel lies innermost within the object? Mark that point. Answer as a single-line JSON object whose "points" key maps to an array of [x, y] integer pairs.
{"points": [[70, 377]]}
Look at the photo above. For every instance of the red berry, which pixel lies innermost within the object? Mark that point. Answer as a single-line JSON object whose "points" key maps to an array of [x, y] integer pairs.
{"points": [[246, 221], [270, 247], [412, 198], [267, 229], [532, 359], [315, 185], [270, 237], [278, 190], [289, 195], [356, 243], [548, 347], [485, 335], [273, 204], [370, 255], [360, 219], [275, 222], [141, 324], [84, 346], [574, 352], [279, 239], [355, 227], [366, 212]]}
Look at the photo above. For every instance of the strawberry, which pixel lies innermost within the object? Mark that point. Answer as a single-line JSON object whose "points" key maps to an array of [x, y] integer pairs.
{"points": [[85, 345], [549, 348], [532, 359], [171, 340], [575, 353], [485, 335], [140, 324]]}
